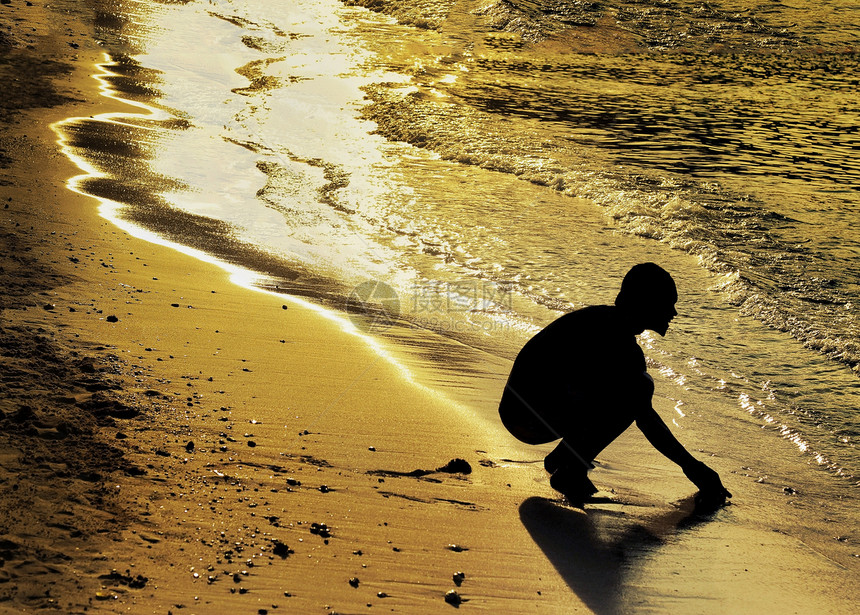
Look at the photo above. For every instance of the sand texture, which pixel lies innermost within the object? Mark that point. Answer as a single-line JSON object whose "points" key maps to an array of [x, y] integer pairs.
{"points": [[171, 442]]}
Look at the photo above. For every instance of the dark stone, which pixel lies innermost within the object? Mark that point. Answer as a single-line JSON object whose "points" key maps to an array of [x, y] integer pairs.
{"points": [[280, 549], [456, 466], [453, 598]]}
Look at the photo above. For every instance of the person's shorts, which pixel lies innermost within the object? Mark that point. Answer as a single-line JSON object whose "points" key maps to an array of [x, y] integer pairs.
{"points": [[535, 419], [586, 422]]}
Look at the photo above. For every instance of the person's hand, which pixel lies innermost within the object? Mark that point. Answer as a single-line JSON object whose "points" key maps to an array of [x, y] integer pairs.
{"points": [[712, 494]]}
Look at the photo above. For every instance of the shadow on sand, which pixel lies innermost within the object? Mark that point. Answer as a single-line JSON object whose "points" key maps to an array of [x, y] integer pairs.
{"points": [[594, 552]]}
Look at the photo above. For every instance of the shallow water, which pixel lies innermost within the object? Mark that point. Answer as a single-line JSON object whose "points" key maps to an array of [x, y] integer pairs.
{"points": [[494, 178]]}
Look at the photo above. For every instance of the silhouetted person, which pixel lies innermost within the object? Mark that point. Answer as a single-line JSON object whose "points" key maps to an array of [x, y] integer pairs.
{"points": [[583, 379]]}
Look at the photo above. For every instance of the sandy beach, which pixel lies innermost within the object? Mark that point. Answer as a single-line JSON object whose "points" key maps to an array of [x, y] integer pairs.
{"points": [[173, 442]]}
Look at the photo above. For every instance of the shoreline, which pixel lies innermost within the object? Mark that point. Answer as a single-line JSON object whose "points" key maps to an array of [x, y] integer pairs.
{"points": [[216, 449]]}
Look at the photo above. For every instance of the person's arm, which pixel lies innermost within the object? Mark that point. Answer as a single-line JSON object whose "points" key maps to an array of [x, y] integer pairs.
{"points": [[658, 434], [712, 493]]}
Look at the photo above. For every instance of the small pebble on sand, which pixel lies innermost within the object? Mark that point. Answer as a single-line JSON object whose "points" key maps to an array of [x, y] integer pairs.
{"points": [[453, 598], [280, 549]]}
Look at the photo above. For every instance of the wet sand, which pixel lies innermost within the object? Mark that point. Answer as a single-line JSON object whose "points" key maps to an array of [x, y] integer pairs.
{"points": [[173, 442]]}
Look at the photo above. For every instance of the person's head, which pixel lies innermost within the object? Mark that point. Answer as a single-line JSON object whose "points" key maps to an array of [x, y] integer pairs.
{"points": [[647, 297]]}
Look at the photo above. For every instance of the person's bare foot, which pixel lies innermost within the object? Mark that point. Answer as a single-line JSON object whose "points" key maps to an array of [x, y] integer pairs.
{"points": [[573, 484]]}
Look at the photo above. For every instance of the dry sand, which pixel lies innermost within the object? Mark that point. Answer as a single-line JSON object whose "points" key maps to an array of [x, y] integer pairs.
{"points": [[173, 442]]}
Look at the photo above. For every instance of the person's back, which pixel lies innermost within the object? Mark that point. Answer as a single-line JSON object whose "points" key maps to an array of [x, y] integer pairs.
{"points": [[577, 366]]}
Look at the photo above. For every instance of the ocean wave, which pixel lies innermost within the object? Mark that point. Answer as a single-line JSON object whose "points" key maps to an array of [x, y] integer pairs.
{"points": [[785, 285], [655, 25]]}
